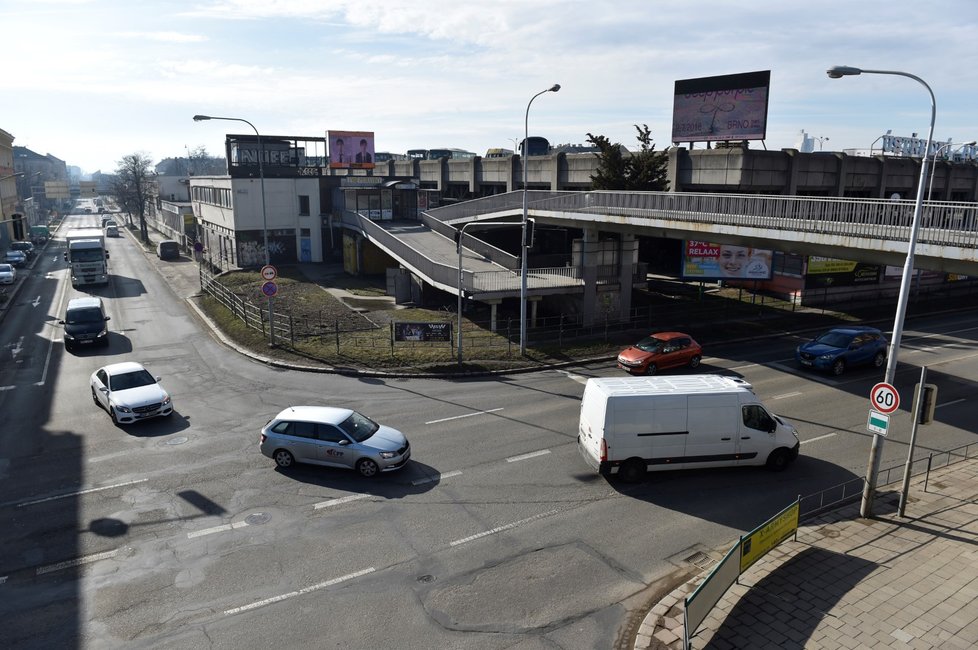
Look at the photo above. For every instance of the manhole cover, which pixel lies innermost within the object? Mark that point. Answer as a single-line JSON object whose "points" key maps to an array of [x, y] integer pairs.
{"points": [[426, 578], [257, 518], [179, 440]]}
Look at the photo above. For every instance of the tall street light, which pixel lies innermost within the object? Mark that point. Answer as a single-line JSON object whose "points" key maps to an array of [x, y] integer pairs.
{"points": [[264, 214], [876, 453], [930, 186], [523, 242]]}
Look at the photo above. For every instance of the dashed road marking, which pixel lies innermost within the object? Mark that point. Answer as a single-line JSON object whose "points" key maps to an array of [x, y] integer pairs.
{"points": [[217, 529], [953, 401], [299, 592], [436, 477], [532, 454], [66, 495], [827, 435], [459, 417], [787, 395], [67, 564], [339, 501], [500, 529]]}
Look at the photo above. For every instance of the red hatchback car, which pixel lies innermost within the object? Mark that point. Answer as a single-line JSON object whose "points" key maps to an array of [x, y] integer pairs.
{"points": [[660, 351]]}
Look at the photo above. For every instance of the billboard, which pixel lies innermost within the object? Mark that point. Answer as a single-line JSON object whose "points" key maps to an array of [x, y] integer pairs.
{"points": [[728, 107], [351, 149], [830, 272], [709, 261]]}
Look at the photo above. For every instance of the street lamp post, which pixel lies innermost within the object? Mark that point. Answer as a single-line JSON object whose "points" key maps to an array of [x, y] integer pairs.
{"points": [[888, 132], [264, 214], [523, 242], [876, 452], [933, 171], [821, 139]]}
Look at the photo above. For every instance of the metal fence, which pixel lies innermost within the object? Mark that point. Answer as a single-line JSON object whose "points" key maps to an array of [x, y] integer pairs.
{"points": [[851, 490], [251, 314]]}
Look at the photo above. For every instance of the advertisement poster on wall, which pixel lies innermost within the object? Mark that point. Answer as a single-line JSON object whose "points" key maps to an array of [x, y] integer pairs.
{"points": [[830, 272], [711, 261], [422, 331], [351, 149]]}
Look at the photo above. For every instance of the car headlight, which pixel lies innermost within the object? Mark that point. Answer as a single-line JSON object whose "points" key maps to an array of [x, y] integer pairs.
{"points": [[166, 399], [827, 357], [104, 332], [388, 454], [122, 409], [70, 337]]}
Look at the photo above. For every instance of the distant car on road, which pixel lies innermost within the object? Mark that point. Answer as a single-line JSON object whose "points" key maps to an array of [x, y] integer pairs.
{"points": [[843, 347], [25, 247], [129, 393], [335, 437], [15, 257], [660, 351], [7, 274]]}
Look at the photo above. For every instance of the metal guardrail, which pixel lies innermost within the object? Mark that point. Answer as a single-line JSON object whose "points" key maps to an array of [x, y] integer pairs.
{"points": [[943, 223], [852, 490], [248, 312]]}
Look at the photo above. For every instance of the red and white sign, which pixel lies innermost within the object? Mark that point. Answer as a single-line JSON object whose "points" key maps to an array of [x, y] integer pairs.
{"points": [[269, 272], [884, 398]]}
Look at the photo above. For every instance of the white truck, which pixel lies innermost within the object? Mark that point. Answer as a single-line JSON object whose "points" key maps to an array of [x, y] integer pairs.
{"points": [[633, 425], [86, 256]]}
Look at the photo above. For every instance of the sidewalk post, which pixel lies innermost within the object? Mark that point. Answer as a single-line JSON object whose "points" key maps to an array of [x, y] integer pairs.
{"points": [[915, 414]]}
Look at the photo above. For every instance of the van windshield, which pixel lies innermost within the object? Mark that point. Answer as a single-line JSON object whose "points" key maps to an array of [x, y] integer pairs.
{"points": [[85, 315]]}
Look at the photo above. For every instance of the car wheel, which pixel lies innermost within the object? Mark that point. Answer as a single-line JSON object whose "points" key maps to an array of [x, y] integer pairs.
{"points": [[651, 369], [695, 361], [838, 367], [283, 458], [632, 470], [879, 359], [778, 460], [367, 468], [115, 420]]}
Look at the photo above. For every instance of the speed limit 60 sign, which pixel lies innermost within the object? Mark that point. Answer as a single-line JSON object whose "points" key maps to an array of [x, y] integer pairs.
{"points": [[884, 398]]}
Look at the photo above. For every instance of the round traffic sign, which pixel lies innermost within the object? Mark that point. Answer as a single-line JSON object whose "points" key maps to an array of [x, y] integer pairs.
{"points": [[269, 289], [884, 398], [268, 272]]}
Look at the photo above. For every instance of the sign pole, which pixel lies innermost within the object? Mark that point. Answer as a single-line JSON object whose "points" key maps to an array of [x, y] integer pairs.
{"points": [[915, 412]]}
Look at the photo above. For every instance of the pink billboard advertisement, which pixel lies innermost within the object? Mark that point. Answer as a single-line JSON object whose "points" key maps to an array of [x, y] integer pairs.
{"points": [[709, 261], [351, 149]]}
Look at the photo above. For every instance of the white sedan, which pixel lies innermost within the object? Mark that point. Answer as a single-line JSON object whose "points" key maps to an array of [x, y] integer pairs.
{"points": [[129, 393], [7, 274]]}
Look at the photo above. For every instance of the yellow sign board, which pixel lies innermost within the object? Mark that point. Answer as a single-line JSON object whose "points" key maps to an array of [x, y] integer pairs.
{"points": [[768, 535]]}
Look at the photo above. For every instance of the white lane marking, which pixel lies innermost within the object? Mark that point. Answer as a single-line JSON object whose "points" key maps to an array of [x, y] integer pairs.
{"points": [[954, 401], [36, 301], [7, 387], [786, 395], [78, 561], [467, 415], [17, 348], [300, 592], [436, 477], [116, 454], [341, 500], [3, 579], [47, 358], [581, 379], [532, 454], [502, 528], [76, 493], [217, 529], [827, 435]]}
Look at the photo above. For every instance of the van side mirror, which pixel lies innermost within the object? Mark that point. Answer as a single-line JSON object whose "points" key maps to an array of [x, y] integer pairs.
{"points": [[108, 318]]}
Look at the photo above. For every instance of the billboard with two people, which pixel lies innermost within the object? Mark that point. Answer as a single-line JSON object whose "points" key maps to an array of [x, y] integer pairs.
{"points": [[351, 149], [711, 261]]}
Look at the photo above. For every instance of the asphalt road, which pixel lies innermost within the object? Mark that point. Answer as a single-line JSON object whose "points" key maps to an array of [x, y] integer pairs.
{"points": [[176, 532]]}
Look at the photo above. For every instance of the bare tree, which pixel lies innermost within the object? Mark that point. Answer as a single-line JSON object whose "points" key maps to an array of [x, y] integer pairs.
{"points": [[132, 188]]}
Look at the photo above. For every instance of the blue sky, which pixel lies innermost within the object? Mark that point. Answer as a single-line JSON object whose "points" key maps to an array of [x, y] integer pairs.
{"points": [[90, 81]]}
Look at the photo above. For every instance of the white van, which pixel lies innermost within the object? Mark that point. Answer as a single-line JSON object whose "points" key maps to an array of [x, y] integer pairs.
{"points": [[630, 425]]}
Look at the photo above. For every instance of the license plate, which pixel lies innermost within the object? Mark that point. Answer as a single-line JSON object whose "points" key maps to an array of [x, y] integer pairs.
{"points": [[805, 362]]}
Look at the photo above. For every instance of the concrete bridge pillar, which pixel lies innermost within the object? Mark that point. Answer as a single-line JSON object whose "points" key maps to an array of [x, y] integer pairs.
{"points": [[628, 257], [589, 273]]}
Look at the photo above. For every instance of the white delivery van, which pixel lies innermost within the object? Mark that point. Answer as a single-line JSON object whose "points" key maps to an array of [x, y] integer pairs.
{"points": [[630, 425]]}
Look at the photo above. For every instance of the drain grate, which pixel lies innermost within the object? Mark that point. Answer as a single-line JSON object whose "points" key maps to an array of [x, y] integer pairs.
{"points": [[700, 560]]}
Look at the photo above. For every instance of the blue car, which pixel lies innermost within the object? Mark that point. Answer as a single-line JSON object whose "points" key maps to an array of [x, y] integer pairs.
{"points": [[843, 347]]}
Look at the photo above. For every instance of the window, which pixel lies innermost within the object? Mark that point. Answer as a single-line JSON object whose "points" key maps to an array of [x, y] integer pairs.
{"points": [[305, 232], [304, 204], [330, 433], [755, 417]]}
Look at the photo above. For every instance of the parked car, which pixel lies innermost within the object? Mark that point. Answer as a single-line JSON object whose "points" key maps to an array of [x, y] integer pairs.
{"points": [[111, 230], [129, 393], [25, 247], [168, 250], [85, 323], [660, 351], [334, 437], [7, 274], [106, 218], [843, 347], [15, 257]]}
